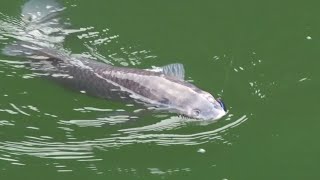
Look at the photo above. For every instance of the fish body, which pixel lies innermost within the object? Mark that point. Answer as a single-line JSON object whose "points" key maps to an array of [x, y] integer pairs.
{"points": [[164, 88]]}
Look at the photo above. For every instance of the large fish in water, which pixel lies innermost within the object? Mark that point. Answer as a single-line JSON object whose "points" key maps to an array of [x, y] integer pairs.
{"points": [[164, 88]]}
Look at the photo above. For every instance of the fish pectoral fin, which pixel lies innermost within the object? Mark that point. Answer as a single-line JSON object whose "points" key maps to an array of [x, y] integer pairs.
{"points": [[175, 70]]}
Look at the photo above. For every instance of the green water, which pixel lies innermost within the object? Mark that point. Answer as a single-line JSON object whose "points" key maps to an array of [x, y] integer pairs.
{"points": [[261, 57]]}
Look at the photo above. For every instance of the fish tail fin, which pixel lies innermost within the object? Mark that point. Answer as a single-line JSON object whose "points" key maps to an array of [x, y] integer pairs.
{"points": [[40, 25]]}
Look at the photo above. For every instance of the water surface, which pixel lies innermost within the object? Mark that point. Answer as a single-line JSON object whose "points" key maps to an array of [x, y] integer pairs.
{"points": [[262, 58]]}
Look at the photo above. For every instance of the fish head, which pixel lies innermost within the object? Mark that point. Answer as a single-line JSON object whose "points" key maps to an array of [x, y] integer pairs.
{"points": [[204, 106]]}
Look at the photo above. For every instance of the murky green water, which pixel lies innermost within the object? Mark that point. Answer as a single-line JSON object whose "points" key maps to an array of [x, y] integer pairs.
{"points": [[261, 57]]}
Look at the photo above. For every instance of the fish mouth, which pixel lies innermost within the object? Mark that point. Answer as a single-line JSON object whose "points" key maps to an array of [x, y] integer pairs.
{"points": [[222, 104]]}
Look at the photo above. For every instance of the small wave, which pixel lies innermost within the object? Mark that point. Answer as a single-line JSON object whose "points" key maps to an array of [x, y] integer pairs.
{"points": [[43, 147]]}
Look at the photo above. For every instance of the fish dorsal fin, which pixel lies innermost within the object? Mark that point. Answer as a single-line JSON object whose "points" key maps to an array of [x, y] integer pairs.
{"points": [[175, 70]]}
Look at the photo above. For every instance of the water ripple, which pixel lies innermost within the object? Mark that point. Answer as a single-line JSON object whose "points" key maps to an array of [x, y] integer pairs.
{"points": [[44, 147]]}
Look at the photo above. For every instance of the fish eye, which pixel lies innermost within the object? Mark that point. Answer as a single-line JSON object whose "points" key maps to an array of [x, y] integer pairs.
{"points": [[196, 112]]}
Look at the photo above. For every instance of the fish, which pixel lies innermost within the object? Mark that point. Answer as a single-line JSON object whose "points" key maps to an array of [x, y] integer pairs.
{"points": [[41, 38]]}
